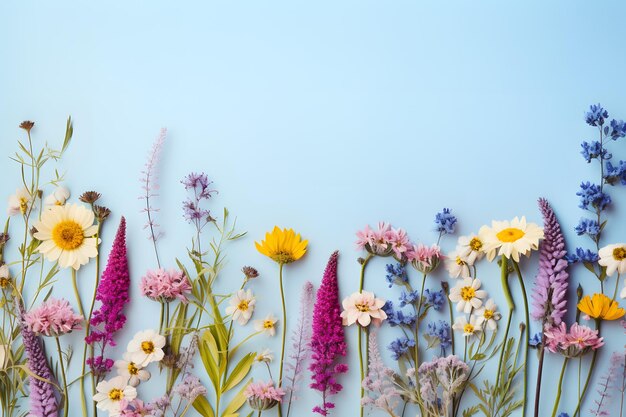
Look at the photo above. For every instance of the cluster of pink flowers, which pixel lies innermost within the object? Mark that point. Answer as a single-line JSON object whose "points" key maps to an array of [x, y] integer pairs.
{"points": [[53, 318], [263, 395], [165, 285], [135, 408], [578, 341], [424, 258]]}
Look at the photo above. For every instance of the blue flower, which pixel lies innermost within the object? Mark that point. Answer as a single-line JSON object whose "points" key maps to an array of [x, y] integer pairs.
{"points": [[441, 331], [617, 129], [408, 297], [398, 318], [594, 150], [563, 415], [615, 173], [400, 347], [596, 115], [396, 274], [435, 298], [592, 195], [582, 255], [535, 341], [589, 227], [445, 221]]}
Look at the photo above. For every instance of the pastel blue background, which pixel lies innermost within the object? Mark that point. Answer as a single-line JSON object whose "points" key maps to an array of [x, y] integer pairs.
{"points": [[321, 116]]}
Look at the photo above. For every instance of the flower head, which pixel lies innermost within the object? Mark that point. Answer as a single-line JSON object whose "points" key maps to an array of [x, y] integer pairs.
{"points": [[90, 197], [283, 246], [58, 197], [165, 285], [133, 372], [469, 328], [445, 222], [401, 347], [27, 125], [510, 239], [67, 235], [457, 265], [265, 357], [601, 307], [146, 347], [470, 248], [423, 258], [5, 277], [241, 306], [377, 242], [400, 243], [190, 388], [488, 315], [440, 331], [613, 257], [364, 308], [135, 408], [596, 115], [577, 342], [263, 395], [20, 202], [592, 197], [468, 295], [267, 325], [53, 318], [111, 393]]}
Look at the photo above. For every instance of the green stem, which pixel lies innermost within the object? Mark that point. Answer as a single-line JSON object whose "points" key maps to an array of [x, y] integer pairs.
{"points": [[77, 294], [616, 287], [539, 375], [451, 310], [591, 367], [66, 402], [504, 275], [527, 318], [362, 368], [284, 334], [559, 389]]}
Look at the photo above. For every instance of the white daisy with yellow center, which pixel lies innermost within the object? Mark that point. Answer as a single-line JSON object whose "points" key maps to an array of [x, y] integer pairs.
{"points": [[510, 239], [58, 197], [470, 248], [469, 328], [146, 347], [613, 258], [20, 202], [67, 235], [488, 315], [267, 325], [241, 306], [110, 394], [468, 295], [266, 356], [457, 264], [133, 372]]}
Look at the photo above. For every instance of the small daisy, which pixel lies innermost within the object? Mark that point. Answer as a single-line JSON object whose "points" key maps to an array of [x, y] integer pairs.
{"points": [[468, 295], [510, 239], [267, 325], [58, 197], [470, 248], [488, 315], [5, 277], [20, 202], [111, 393], [613, 257], [266, 356], [146, 347], [241, 306], [134, 373], [457, 265], [469, 329]]}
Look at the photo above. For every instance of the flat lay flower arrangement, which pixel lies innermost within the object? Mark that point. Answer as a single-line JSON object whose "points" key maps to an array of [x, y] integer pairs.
{"points": [[454, 351]]}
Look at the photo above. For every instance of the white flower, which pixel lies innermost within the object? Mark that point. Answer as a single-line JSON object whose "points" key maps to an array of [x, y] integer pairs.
{"points": [[146, 347], [134, 373], [457, 265], [613, 257], [510, 239], [241, 306], [467, 295], [363, 308], [111, 393], [266, 356], [470, 248], [58, 197], [20, 202], [67, 235], [5, 350], [488, 315], [5, 277], [469, 329], [267, 325]]}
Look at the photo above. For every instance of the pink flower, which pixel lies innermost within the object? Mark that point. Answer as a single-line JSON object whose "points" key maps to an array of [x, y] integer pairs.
{"points": [[364, 237], [165, 286], [363, 308], [584, 337], [263, 395], [53, 318], [376, 242], [577, 342], [424, 258], [400, 242], [135, 408]]}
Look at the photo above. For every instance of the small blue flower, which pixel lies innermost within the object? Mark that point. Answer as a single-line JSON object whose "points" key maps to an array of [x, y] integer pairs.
{"points": [[616, 130], [596, 115], [435, 298], [396, 274], [594, 150], [588, 227], [445, 222], [592, 195], [409, 298], [563, 415], [535, 341], [582, 255], [400, 347], [441, 331], [615, 173]]}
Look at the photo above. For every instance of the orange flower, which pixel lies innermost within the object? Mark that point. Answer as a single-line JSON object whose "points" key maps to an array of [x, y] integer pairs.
{"points": [[601, 307]]}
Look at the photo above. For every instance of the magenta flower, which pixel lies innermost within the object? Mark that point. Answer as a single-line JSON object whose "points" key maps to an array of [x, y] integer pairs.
{"points": [[423, 258], [577, 342], [328, 342], [165, 286], [53, 318], [263, 395]]}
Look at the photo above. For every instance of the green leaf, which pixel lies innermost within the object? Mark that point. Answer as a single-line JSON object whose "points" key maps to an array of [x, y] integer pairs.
{"points": [[202, 406], [239, 372], [69, 131], [210, 358], [237, 402], [478, 356]]}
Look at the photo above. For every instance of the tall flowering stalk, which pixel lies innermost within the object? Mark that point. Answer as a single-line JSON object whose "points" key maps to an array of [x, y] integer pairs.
{"points": [[549, 296], [379, 383], [328, 343]]}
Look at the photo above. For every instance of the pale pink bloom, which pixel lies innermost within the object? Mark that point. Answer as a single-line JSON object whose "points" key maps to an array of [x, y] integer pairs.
{"points": [[364, 237], [376, 242], [135, 408], [53, 318], [578, 341], [364, 308], [424, 258], [400, 242], [584, 337], [165, 286], [263, 395]]}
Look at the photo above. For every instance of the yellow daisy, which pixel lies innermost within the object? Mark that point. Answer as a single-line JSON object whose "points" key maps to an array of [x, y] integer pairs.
{"points": [[67, 235], [601, 307], [510, 239], [282, 245]]}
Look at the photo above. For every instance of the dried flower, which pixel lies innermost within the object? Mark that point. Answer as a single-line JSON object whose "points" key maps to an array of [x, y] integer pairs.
{"points": [[89, 197], [250, 272], [101, 213], [27, 125], [190, 388]]}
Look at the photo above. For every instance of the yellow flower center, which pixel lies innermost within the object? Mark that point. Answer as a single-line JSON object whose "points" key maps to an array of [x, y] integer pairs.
{"points": [[243, 305], [283, 257], [23, 205], [468, 328], [459, 261], [475, 244], [488, 315], [132, 369], [467, 293], [4, 283], [510, 234], [116, 394], [147, 347], [619, 253], [68, 235], [268, 324], [363, 308]]}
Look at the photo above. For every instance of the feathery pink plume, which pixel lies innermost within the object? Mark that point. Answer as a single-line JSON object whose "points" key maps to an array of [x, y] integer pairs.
{"points": [[150, 185]]}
